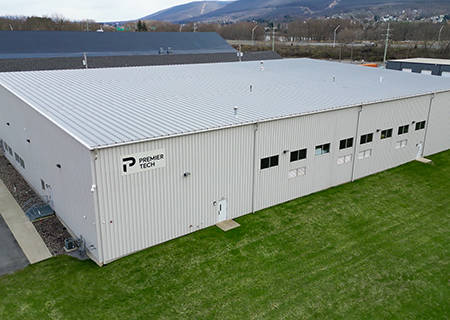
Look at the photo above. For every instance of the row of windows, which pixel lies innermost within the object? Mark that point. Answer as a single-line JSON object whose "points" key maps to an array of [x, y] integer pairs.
{"points": [[387, 133], [362, 155], [343, 144], [8, 149]]}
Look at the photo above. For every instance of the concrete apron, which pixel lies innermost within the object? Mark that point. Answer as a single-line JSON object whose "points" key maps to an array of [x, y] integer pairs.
{"points": [[23, 230]]}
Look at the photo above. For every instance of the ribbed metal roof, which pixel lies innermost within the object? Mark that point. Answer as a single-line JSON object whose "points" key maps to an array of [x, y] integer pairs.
{"points": [[105, 107], [47, 44]]}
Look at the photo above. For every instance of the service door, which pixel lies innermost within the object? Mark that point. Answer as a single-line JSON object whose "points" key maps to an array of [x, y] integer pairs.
{"points": [[222, 211]]}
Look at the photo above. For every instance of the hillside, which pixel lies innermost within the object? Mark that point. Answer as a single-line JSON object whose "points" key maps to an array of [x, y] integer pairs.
{"points": [[267, 9], [186, 11]]}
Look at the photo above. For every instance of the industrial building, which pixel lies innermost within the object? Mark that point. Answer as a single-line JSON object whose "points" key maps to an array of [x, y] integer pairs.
{"points": [[132, 157], [436, 67], [57, 50]]}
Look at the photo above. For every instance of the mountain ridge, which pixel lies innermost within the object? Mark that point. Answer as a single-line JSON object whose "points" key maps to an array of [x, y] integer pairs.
{"points": [[204, 11]]}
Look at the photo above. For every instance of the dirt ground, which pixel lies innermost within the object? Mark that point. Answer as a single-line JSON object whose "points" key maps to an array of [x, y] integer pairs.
{"points": [[50, 229]]}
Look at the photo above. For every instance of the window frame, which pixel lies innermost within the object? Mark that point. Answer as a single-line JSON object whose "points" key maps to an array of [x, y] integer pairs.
{"points": [[348, 143], [273, 161], [403, 129], [420, 125], [300, 154], [365, 137], [386, 133], [321, 147]]}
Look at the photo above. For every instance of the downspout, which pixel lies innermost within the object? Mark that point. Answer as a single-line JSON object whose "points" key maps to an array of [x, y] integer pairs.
{"points": [[427, 124], [356, 143], [94, 190], [255, 130]]}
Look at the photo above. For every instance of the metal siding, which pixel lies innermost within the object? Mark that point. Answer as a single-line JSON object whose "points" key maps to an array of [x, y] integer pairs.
{"points": [[438, 133], [273, 185], [105, 107], [390, 115], [49, 146], [144, 209]]}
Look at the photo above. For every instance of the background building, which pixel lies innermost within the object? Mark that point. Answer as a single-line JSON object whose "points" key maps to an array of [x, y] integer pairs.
{"points": [[132, 157], [55, 50], [436, 67]]}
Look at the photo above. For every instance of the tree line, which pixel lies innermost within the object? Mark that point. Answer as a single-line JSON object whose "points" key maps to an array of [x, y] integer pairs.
{"points": [[349, 30]]}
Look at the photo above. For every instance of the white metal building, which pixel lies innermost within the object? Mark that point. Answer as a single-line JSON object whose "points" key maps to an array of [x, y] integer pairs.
{"points": [[132, 157]]}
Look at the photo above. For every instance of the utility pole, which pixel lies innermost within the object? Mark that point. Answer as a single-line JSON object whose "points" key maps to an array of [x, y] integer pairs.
{"points": [[440, 31], [85, 62], [335, 32], [387, 42], [253, 35], [273, 37]]}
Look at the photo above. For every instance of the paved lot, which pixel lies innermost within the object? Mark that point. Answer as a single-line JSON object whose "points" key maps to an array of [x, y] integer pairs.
{"points": [[11, 256]]}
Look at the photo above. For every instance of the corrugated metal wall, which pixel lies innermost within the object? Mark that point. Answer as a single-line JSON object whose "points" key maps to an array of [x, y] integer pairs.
{"points": [[147, 208], [377, 117], [68, 186], [273, 185], [144, 209], [438, 133]]}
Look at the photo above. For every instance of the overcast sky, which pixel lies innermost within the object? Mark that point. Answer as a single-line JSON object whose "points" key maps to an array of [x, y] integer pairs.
{"points": [[99, 10]]}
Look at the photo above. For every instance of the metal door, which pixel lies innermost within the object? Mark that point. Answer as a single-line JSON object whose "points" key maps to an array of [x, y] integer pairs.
{"points": [[222, 211]]}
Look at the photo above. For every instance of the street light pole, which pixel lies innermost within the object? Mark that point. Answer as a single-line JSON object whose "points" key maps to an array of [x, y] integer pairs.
{"points": [[386, 43], [335, 31]]}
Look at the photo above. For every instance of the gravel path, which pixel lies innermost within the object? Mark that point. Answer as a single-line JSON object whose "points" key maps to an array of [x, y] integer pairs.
{"points": [[50, 229]]}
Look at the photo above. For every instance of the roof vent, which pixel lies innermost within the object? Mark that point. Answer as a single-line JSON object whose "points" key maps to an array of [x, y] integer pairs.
{"points": [[261, 65], [235, 109]]}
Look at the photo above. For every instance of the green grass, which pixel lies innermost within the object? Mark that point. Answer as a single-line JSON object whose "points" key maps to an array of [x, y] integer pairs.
{"points": [[377, 248]]}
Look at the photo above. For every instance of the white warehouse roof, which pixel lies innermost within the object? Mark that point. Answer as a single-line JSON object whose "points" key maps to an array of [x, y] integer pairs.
{"points": [[104, 107]]}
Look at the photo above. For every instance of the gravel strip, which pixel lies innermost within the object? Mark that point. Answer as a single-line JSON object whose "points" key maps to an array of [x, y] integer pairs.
{"points": [[50, 229]]}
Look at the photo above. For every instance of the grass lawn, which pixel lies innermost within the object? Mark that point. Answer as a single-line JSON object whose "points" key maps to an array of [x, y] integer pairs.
{"points": [[376, 248]]}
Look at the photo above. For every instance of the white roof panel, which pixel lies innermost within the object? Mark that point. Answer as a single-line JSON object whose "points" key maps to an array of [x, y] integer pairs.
{"points": [[105, 107]]}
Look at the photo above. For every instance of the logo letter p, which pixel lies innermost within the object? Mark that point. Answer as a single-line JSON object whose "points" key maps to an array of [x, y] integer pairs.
{"points": [[128, 163]]}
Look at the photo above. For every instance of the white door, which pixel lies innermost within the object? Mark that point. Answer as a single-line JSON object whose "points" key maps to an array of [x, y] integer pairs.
{"points": [[419, 150], [222, 211]]}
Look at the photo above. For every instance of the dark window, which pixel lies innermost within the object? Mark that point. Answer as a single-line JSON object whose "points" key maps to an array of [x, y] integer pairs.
{"points": [[386, 134], [42, 184], [322, 149], [269, 162], [298, 155], [403, 129], [22, 163], [17, 157], [346, 143], [420, 125], [366, 138]]}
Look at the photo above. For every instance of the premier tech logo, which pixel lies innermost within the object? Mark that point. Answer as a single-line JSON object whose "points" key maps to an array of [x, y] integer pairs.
{"points": [[140, 162]]}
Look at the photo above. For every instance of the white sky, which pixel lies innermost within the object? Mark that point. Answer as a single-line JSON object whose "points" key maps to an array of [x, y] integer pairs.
{"points": [[99, 10]]}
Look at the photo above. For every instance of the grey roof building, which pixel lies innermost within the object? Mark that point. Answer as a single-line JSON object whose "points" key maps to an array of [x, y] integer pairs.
{"points": [[131, 157], [53, 50], [436, 67]]}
